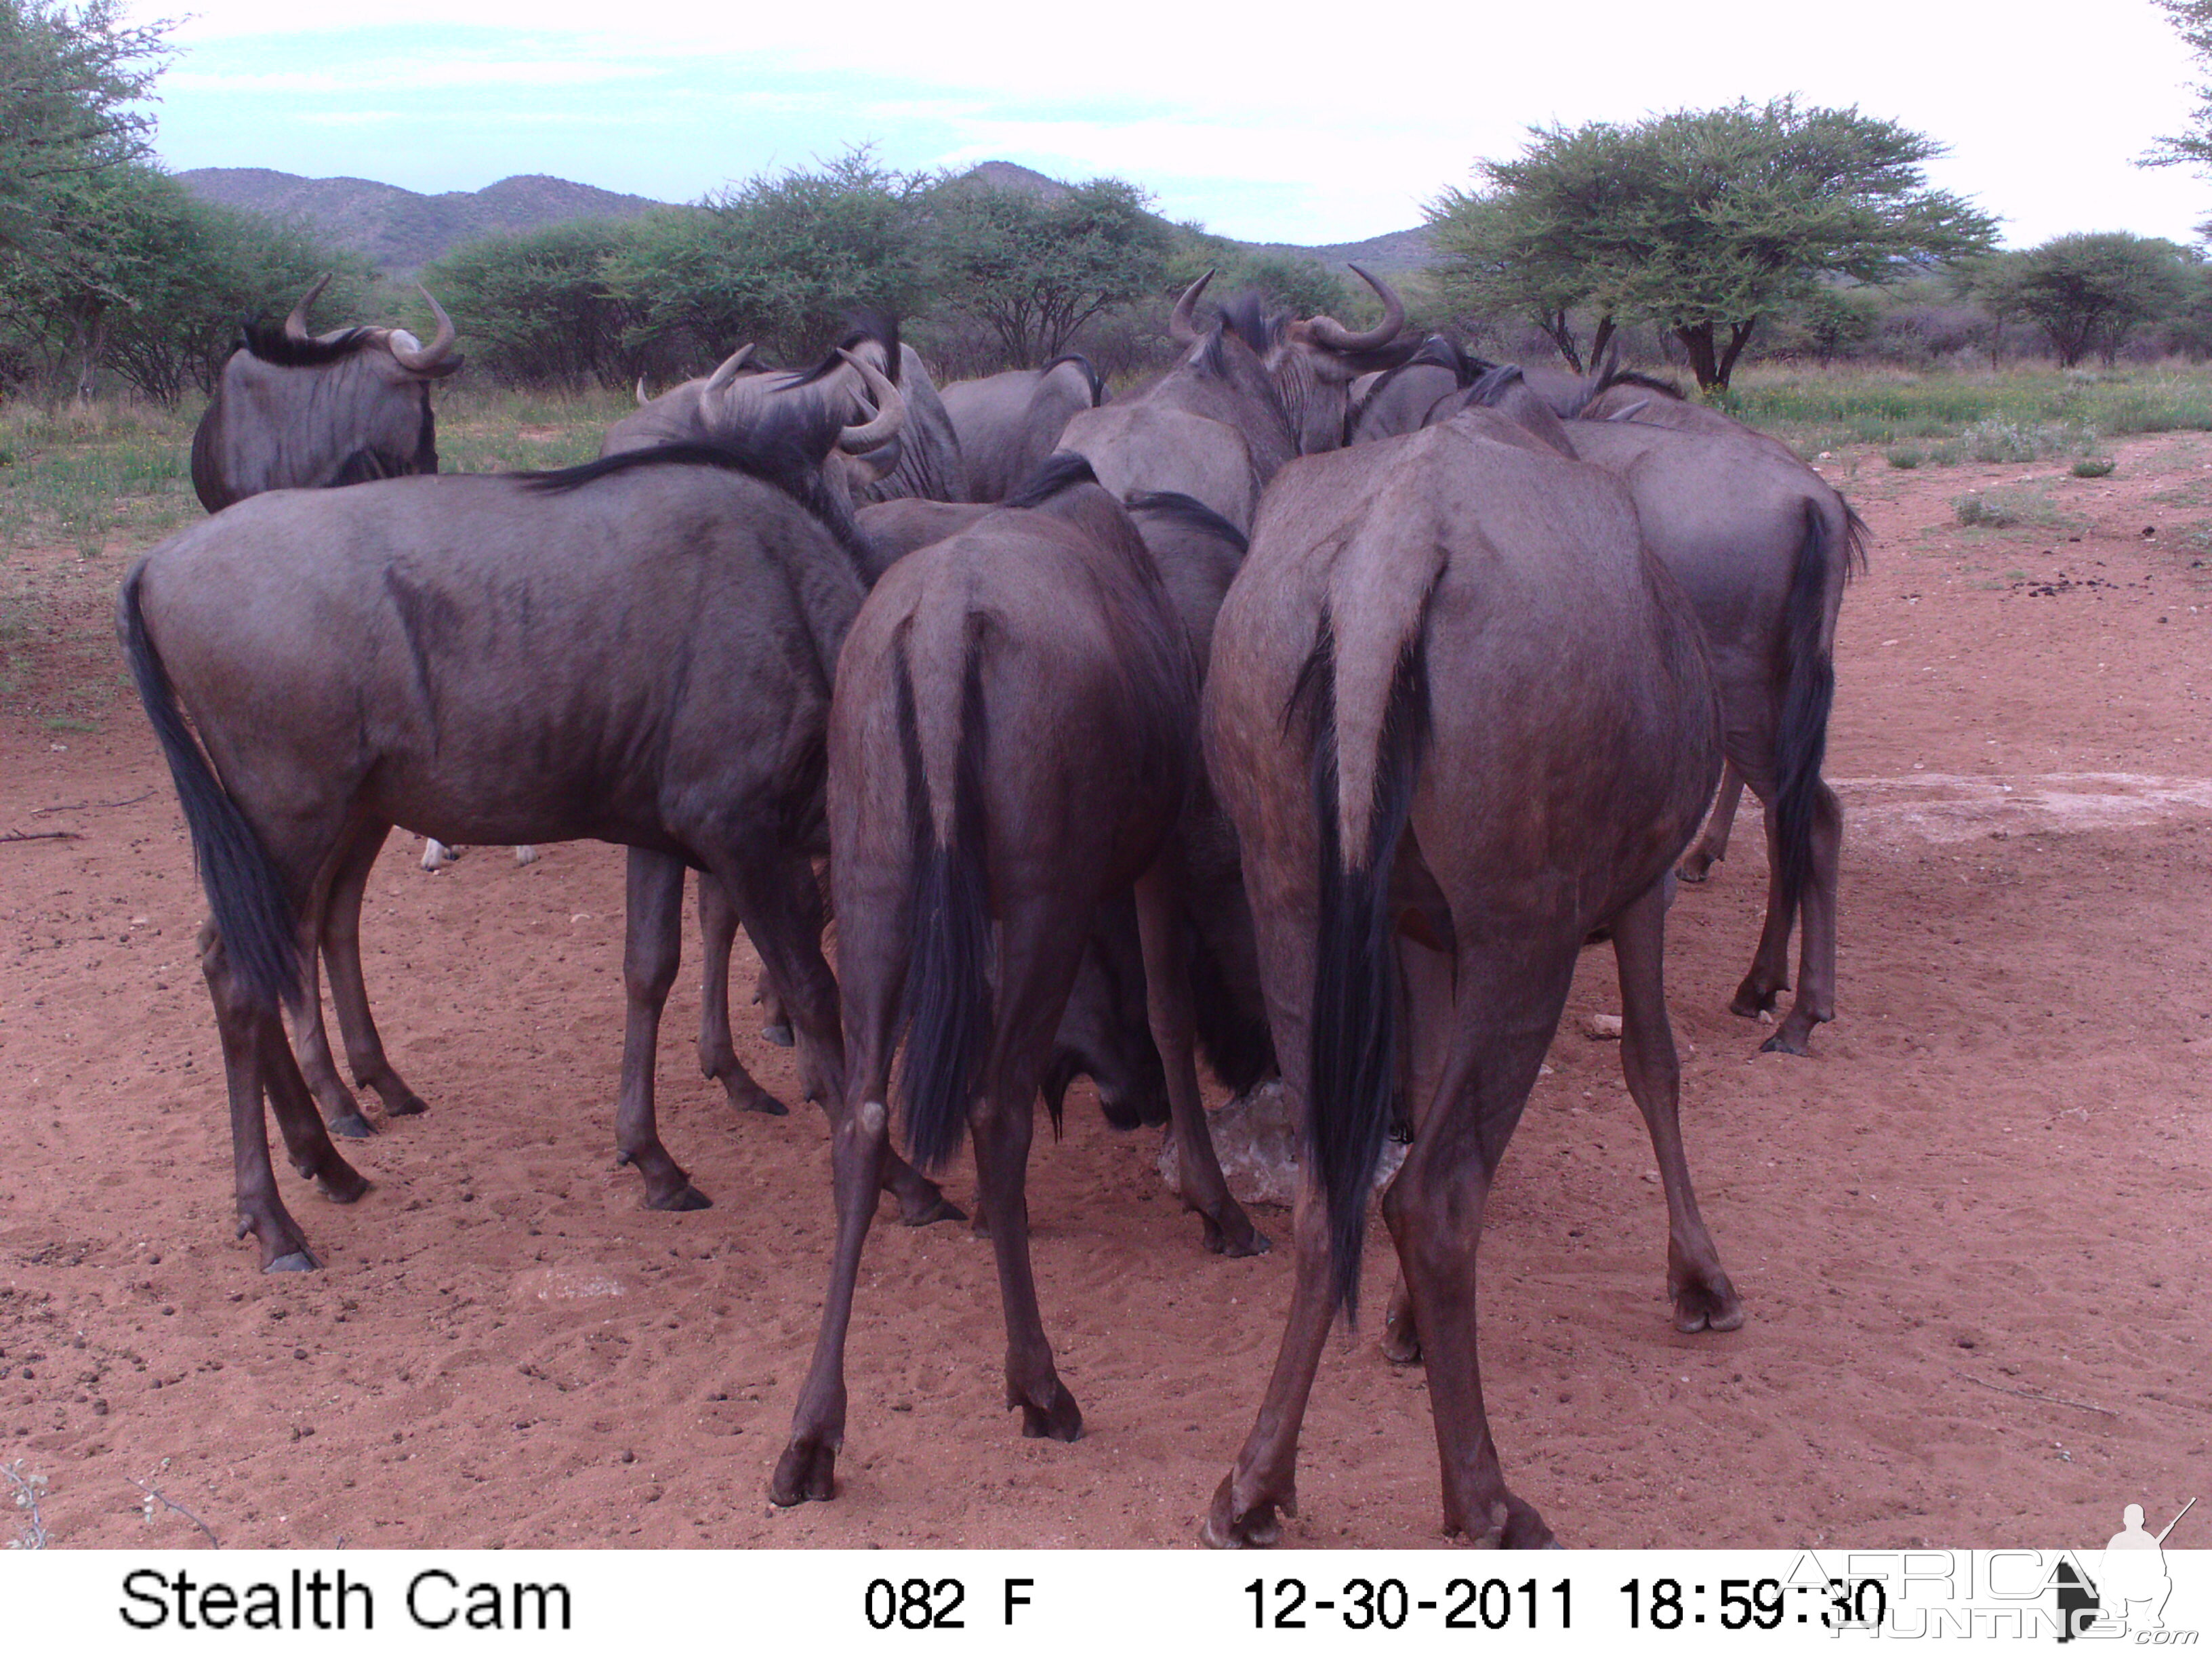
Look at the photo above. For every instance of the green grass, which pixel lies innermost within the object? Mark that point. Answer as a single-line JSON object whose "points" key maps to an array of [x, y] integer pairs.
{"points": [[2006, 509], [1953, 415]]}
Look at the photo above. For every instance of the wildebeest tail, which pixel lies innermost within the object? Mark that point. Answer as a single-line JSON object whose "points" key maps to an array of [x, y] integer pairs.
{"points": [[252, 912], [948, 986], [1352, 1074], [1801, 740]]}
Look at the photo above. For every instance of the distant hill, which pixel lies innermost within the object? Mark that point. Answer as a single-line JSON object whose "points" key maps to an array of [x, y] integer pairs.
{"points": [[400, 230]]}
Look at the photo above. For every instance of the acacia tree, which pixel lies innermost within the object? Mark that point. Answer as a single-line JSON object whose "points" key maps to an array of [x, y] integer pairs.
{"points": [[1035, 270], [1701, 221], [2192, 20], [2087, 292]]}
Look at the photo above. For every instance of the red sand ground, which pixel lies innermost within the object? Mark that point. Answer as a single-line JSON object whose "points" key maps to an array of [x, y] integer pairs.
{"points": [[1972, 1231]]}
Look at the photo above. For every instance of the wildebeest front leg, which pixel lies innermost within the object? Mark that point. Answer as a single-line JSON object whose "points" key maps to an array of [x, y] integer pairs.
{"points": [[652, 949], [717, 1054], [364, 1047], [1815, 1003], [1166, 931], [246, 1029], [1703, 1299], [1712, 846]]}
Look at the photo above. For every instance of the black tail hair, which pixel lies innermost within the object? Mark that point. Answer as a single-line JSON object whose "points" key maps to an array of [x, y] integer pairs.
{"points": [[1061, 470], [1090, 373], [1352, 1076], [1856, 535], [1493, 383], [948, 1015], [1801, 737], [252, 912], [1190, 512]]}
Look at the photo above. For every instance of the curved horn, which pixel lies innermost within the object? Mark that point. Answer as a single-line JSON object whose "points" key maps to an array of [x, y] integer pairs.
{"points": [[427, 360], [296, 325], [642, 400], [1337, 337], [1184, 326], [890, 407], [726, 370]]}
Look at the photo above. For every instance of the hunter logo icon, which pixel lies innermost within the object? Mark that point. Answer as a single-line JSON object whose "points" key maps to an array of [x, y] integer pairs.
{"points": [[2131, 1587]]}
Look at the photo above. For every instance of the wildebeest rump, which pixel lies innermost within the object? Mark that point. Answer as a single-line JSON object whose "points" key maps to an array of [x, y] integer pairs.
{"points": [[1011, 743], [296, 411], [1451, 695], [639, 651]]}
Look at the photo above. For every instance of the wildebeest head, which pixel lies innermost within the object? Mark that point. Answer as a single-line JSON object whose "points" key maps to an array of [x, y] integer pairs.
{"points": [[1311, 362], [295, 411]]}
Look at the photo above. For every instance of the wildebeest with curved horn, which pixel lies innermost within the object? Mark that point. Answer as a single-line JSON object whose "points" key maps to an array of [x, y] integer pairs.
{"points": [[1012, 742], [1451, 694], [1009, 424], [293, 411], [638, 650], [1248, 394]]}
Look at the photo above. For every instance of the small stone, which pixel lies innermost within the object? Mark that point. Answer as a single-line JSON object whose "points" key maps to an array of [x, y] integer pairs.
{"points": [[100, 1408], [1601, 1027]]}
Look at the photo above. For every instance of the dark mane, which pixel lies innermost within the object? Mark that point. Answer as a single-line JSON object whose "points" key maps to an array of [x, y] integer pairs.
{"points": [[786, 450], [1090, 373], [862, 325], [1246, 316], [1061, 470], [1190, 513], [1492, 384], [1615, 377], [270, 343]]}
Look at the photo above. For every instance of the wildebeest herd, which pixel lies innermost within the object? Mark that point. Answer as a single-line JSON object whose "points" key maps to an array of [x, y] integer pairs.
{"points": [[1312, 707]]}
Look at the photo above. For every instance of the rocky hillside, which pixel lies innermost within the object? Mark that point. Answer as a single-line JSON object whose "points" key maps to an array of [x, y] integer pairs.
{"points": [[398, 229]]}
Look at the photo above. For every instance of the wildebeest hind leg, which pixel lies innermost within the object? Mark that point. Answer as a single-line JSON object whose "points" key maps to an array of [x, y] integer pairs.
{"points": [[1712, 846], [305, 1140], [245, 1028], [1426, 976], [1815, 1003], [717, 1054], [364, 1047], [653, 949], [1770, 965], [1703, 1299], [1160, 917], [320, 1072]]}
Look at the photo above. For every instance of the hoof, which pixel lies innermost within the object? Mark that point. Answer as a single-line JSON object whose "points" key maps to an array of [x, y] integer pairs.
{"points": [[295, 1261], [410, 1105], [756, 1099], [344, 1185], [1709, 1305], [352, 1126], [779, 1033], [806, 1473], [686, 1197], [1257, 1528], [1401, 1342], [1750, 1002], [1695, 869], [1060, 1419], [1792, 1036], [1238, 1238], [921, 1212], [1511, 1525]]}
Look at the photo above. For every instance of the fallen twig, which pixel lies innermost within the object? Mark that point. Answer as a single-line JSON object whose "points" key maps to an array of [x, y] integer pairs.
{"points": [[92, 805], [41, 834], [155, 1495], [2031, 1393]]}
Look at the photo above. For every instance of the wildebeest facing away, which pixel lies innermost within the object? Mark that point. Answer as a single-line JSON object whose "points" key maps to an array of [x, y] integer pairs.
{"points": [[1452, 694], [1249, 394], [293, 411], [1010, 423], [1011, 743], [639, 650]]}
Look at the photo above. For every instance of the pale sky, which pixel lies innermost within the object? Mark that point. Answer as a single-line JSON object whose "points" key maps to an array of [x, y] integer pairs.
{"points": [[1286, 125]]}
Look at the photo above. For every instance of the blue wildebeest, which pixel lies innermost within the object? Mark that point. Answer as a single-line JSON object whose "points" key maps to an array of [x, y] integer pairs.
{"points": [[1248, 394], [639, 650], [1451, 696], [293, 411], [1012, 743]]}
